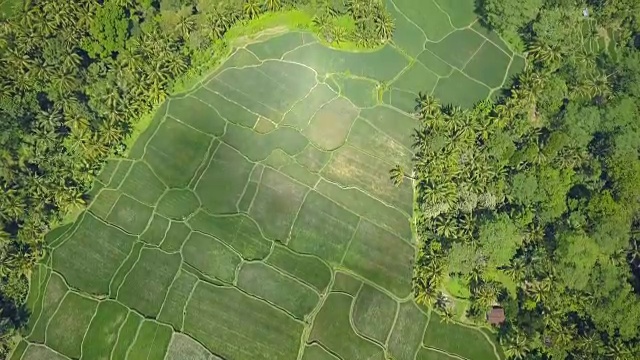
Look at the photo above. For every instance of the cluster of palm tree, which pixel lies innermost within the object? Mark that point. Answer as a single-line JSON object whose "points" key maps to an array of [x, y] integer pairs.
{"points": [[464, 174], [75, 82], [373, 25]]}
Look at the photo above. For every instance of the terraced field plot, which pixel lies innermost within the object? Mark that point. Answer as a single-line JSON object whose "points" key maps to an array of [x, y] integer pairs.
{"points": [[254, 219]]}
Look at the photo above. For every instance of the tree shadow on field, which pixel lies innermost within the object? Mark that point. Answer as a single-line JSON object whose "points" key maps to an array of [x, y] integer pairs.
{"points": [[482, 15]]}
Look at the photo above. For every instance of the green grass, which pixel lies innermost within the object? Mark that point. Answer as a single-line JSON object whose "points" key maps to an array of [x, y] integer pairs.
{"points": [[457, 287]]}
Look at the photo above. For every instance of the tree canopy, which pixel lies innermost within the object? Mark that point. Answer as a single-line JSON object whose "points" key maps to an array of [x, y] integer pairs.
{"points": [[533, 200]]}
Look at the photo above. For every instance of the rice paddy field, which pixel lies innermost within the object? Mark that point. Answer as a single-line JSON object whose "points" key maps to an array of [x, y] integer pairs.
{"points": [[254, 219]]}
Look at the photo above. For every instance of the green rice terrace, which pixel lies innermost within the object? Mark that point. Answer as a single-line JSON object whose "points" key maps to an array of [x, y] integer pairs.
{"points": [[255, 219]]}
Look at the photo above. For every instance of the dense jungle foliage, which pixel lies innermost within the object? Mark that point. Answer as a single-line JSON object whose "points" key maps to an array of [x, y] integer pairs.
{"points": [[77, 77], [533, 202]]}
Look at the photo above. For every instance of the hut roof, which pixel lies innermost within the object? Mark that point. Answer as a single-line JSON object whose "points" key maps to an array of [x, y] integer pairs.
{"points": [[496, 316]]}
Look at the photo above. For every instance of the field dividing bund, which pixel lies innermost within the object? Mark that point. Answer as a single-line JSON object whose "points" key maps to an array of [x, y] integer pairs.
{"points": [[254, 219]]}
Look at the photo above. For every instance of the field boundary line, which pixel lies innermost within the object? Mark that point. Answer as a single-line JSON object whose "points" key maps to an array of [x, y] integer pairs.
{"points": [[470, 27], [457, 68], [353, 326], [95, 312], [153, 135], [355, 231], [285, 274], [308, 327], [113, 348], [395, 6], [473, 55], [246, 186], [373, 284], [505, 78], [170, 286], [292, 50], [44, 290], [295, 218], [435, 349], [46, 328], [393, 325], [72, 230], [284, 115], [124, 278], [135, 337], [447, 14]]}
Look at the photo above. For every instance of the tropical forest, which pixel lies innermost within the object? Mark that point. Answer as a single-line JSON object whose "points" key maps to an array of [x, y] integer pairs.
{"points": [[320, 179]]}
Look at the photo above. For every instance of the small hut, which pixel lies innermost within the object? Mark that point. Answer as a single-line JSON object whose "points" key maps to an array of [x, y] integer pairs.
{"points": [[496, 316]]}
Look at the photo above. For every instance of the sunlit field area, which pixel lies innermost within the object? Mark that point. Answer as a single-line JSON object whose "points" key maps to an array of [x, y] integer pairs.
{"points": [[255, 218]]}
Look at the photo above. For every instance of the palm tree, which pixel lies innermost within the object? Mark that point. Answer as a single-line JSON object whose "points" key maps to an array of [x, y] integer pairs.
{"points": [[397, 175], [446, 316], [516, 346], [548, 54], [336, 34], [618, 351], [251, 8], [64, 82], [516, 269], [426, 296], [385, 25], [427, 105], [322, 21], [186, 22], [272, 5]]}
